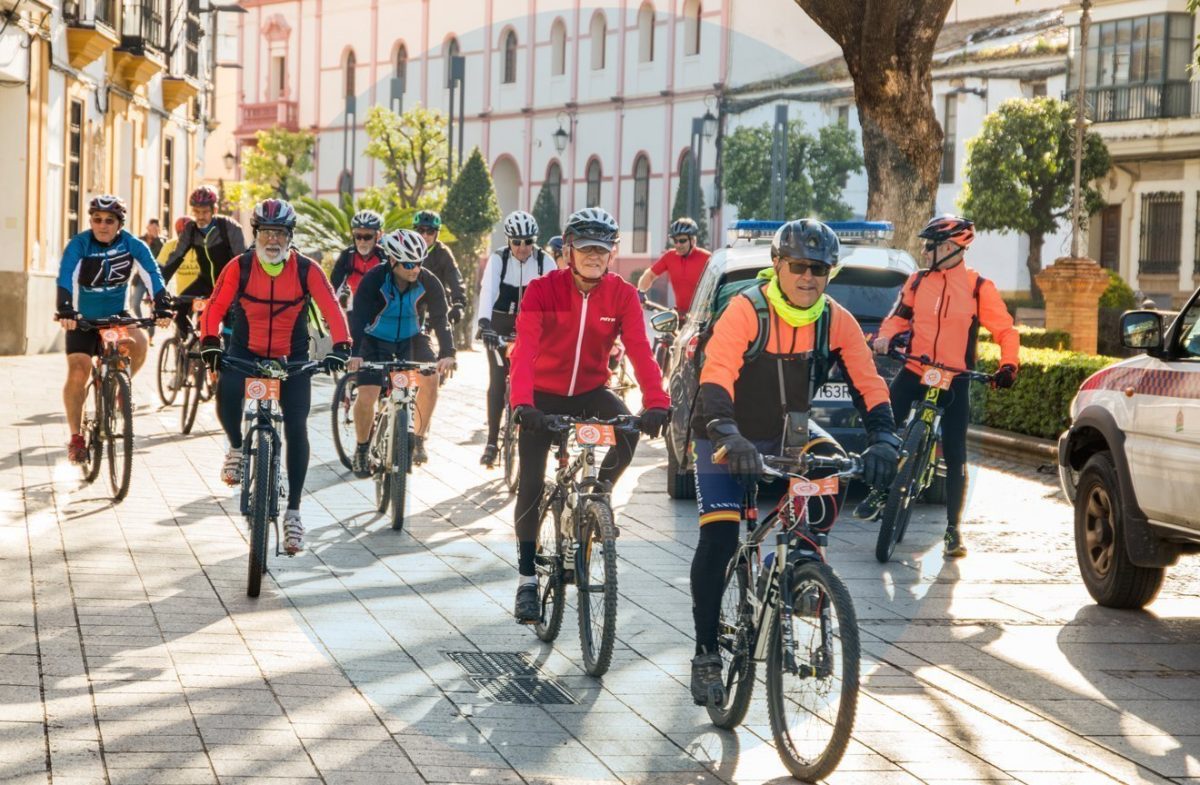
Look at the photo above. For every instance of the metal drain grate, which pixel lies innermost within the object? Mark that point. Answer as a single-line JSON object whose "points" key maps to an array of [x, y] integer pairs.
{"points": [[509, 677]]}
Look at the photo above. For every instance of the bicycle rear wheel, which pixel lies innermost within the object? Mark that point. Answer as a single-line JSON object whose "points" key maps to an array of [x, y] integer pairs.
{"points": [[342, 411], [93, 431], [193, 387], [401, 465], [260, 501], [169, 365], [548, 565], [508, 438], [813, 699], [903, 493], [596, 585], [735, 633], [120, 434]]}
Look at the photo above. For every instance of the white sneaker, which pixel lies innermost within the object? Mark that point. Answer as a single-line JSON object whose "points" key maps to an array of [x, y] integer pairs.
{"points": [[231, 471], [293, 533]]}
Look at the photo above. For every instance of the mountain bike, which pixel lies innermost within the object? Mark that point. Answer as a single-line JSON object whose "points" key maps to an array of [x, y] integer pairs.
{"points": [[918, 451], [392, 433], [790, 609], [620, 377], [180, 369], [108, 404], [341, 411], [665, 323], [262, 475], [581, 546], [508, 426]]}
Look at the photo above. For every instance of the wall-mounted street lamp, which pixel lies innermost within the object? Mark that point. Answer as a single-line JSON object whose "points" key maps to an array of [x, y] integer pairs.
{"points": [[230, 161], [563, 136]]}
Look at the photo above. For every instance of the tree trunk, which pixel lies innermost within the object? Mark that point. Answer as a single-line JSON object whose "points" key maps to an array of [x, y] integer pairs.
{"points": [[888, 48], [1033, 263]]}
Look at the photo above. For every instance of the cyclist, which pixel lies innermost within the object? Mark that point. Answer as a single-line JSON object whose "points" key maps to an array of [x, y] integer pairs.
{"points": [[93, 283], [216, 240], [943, 307], [366, 227], [391, 304], [266, 290], [138, 293], [509, 271], [190, 268], [555, 245], [440, 262], [773, 345], [567, 326], [683, 264]]}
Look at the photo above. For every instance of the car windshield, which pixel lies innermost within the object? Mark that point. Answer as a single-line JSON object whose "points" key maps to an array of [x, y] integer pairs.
{"points": [[868, 294], [1189, 334]]}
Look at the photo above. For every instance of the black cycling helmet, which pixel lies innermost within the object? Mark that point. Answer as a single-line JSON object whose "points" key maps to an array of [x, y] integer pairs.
{"points": [[367, 219], [555, 245], [684, 226], [427, 219], [808, 239]]}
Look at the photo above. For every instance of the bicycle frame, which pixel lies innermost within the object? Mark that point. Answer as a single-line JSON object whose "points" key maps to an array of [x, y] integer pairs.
{"points": [[397, 395]]}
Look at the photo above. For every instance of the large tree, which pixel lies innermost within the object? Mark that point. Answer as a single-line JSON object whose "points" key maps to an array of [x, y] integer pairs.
{"points": [[1021, 170], [471, 211], [412, 149], [545, 212], [275, 165], [888, 47]]}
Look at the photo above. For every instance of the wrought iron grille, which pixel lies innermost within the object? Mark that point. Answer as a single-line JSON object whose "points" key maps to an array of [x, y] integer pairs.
{"points": [[1161, 233]]}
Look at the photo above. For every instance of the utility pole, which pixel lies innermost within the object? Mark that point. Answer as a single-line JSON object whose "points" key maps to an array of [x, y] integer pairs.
{"points": [[779, 156], [1085, 22]]}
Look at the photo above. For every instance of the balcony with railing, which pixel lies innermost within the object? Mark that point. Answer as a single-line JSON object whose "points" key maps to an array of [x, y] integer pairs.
{"points": [[143, 39], [1120, 103], [91, 30], [265, 116]]}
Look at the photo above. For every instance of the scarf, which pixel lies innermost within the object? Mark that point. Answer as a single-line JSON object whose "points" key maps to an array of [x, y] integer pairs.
{"points": [[793, 315]]}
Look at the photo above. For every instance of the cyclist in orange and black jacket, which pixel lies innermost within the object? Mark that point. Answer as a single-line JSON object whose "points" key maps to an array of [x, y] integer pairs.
{"points": [[216, 240], [943, 308]]}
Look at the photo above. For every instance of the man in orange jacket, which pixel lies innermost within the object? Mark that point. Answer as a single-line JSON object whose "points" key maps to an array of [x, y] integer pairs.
{"points": [[943, 308]]}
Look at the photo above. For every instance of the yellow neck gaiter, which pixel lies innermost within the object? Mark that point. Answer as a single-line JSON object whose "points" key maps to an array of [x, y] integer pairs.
{"points": [[793, 315], [274, 269]]}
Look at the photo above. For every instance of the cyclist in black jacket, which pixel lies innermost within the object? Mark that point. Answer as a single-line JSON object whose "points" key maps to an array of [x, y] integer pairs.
{"points": [[216, 239], [440, 262]]}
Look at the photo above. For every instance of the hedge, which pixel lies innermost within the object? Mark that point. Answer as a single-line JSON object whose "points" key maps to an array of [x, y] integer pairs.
{"points": [[1036, 337], [1039, 403]]}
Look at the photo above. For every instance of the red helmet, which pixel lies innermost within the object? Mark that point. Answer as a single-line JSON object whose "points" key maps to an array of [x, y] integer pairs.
{"points": [[957, 230], [204, 196], [273, 212], [181, 223]]}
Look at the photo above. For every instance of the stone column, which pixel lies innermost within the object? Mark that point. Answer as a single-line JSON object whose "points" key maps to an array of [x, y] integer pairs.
{"points": [[1072, 289]]}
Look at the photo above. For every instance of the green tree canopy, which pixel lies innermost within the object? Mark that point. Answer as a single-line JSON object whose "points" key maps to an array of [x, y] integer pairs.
{"points": [[275, 165], [471, 211], [1020, 172], [817, 170], [412, 149], [680, 208], [546, 212]]}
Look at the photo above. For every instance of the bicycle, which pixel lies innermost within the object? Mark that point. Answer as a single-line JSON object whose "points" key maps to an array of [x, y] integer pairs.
{"points": [[341, 411], [108, 404], [178, 369], [508, 426], [581, 546], [262, 475], [791, 610], [665, 323], [392, 434], [918, 461]]}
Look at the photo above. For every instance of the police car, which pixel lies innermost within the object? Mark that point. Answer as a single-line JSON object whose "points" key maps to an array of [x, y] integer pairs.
{"points": [[867, 285], [1130, 462]]}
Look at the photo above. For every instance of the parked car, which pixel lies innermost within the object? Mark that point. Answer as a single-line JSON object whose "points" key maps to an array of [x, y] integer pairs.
{"points": [[867, 285], [1130, 462]]}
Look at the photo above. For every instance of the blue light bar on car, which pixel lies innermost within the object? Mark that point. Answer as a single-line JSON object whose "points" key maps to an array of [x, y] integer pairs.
{"points": [[847, 231]]}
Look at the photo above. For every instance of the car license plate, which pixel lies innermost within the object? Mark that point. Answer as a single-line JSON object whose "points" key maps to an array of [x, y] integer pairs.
{"points": [[834, 391]]}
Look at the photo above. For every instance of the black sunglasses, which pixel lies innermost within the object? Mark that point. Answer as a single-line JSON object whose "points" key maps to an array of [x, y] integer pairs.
{"points": [[682, 240], [818, 270], [409, 265], [364, 237], [521, 242]]}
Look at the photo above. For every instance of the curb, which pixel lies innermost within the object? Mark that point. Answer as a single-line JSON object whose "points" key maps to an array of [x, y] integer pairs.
{"points": [[1013, 446]]}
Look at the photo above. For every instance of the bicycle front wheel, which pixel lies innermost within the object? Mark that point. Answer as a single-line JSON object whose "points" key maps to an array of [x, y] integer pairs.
{"points": [[735, 637], [381, 451], [511, 460], [193, 387], [400, 465], [260, 503], [548, 565], [342, 410], [93, 431], [596, 584], [120, 434], [812, 685], [903, 493], [170, 363]]}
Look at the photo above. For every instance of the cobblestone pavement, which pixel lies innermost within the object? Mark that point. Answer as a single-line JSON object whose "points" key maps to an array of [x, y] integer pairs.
{"points": [[130, 653]]}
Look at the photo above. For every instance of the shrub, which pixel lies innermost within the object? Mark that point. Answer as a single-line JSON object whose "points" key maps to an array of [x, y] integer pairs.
{"points": [[1118, 295], [1039, 403], [1035, 337]]}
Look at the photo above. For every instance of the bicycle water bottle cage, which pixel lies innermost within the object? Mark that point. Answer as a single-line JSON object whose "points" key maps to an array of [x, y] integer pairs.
{"points": [[795, 434]]}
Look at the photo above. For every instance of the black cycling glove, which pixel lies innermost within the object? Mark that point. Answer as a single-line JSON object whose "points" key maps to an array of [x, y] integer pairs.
{"points": [[653, 421], [211, 352], [530, 418], [741, 456], [880, 459]]}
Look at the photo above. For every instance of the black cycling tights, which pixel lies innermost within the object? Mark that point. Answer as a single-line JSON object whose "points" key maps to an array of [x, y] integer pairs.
{"points": [[497, 382], [534, 450], [718, 543], [295, 396], [907, 389]]}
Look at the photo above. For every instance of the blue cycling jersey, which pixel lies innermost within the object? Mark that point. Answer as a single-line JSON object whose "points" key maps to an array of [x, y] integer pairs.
{"points": [[94, 278]]}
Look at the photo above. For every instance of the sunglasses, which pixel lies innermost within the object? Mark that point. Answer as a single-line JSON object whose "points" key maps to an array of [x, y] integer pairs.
{"points": [[682, 240], [426, 230], [519, 243], [818, 270], [107, 220], [364, 237], [409, 265]]}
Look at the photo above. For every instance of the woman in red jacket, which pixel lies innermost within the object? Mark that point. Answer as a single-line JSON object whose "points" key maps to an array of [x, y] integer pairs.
{"points": [[566, 327]]}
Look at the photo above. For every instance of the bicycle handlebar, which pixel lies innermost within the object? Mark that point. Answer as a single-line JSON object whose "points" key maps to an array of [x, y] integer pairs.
{"points": [[113, 321], [650, 305], [561, 423], [776, 467], [502, 340], [271, 369], [425, 369], [925, 360]]}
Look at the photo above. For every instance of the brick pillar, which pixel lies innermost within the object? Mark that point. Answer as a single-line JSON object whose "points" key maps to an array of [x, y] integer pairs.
{"points": [[1072, 289]]}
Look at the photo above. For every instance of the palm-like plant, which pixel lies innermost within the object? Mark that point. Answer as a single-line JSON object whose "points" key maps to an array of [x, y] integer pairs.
{"points": [[324, 227]]}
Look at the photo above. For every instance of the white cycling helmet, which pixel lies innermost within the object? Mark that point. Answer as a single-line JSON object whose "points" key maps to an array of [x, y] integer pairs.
{"points": [[404, 246], [592, 226], [520, 224]]}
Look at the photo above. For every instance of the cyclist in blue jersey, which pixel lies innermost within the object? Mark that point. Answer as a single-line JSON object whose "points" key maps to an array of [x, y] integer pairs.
{"points": [[93, 283]]}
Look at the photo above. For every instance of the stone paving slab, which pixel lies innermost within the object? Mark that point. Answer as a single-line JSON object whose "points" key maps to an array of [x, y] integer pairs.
{"points": [[129, 652]]}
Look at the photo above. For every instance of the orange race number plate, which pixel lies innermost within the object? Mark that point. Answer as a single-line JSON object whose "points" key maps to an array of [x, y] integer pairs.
{"points": [[199, 304], [801, 487], [590, 435], [936, 377], [262, 389], [114, 334], [402, 379]]}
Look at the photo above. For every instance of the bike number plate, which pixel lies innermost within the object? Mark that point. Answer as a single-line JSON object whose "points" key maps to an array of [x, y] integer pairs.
{"points": [[199, 304], [114, 334], [804, 488], [403, 379], [936, 377], [590, 435], [262, 389]]}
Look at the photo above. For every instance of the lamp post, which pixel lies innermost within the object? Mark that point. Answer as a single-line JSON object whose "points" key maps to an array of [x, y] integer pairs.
{"points": [[454, 80], [1085, 21], [702, 128]]}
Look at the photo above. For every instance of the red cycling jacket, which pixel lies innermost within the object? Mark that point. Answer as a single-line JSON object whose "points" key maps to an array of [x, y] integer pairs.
{"points": [[269, 316], [564, 338]]}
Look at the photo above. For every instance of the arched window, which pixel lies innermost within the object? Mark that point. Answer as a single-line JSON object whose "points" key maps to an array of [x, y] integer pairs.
{"points": [[593, 183], [641, 203], [691, 27], [510, 58], [348, 82], [558, 48], [554, 186], [452, 51], [402, 62], [646, 34], [599, 39]]}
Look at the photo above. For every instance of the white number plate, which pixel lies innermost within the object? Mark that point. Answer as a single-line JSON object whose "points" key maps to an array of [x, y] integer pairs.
{"points": [[834, 391]]}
